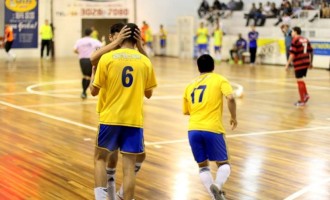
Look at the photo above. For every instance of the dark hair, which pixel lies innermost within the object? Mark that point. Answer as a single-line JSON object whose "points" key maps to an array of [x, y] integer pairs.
{"points": [[131, 38], [297, 30], [88, 31], [205, 63], [116, 28]]}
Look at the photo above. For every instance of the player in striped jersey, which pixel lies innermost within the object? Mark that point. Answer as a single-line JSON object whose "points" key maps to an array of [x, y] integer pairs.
{"points": [[301, 53]]}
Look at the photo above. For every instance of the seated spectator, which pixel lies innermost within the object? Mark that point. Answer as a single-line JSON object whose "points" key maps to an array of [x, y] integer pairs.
{"points": [[324, 12], [239, 48], [307, 5], [287, 12], [240, 5], [274, 10], [267, 9], [259, 17], [216, 5], [203, 8], [251, 14]]}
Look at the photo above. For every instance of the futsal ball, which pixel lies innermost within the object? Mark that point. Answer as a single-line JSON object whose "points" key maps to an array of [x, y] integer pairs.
{"points": [[239, 93]]}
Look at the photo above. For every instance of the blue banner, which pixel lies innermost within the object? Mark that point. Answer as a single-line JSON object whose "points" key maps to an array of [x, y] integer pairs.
{"points": [[321, 48], [23, 17]]}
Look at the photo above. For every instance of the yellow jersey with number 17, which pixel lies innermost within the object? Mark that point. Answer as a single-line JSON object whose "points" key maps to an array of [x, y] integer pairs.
{"points": [[123, 76], [203, 101]]}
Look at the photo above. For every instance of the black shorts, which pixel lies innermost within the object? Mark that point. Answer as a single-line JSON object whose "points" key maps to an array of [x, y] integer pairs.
{"points": [[8, 45], [301, 73], [86, 66]]}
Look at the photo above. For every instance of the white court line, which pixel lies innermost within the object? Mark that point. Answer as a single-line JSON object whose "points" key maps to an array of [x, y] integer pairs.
{"points": [[49, 116], [306, 189], [249, 134]]}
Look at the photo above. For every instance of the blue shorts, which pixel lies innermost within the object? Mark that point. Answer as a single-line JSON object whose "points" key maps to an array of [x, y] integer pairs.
{"points": [[217, 48], [127, 139], [206, 145], [162, 43], [202, 47]]}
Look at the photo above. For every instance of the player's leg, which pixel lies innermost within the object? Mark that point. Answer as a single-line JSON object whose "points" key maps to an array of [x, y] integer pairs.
{"points": [[100, 158], [43, 44], [111, 175], [131, 144], [301, 87], [86, 69], [139, 160], [217, 151], [47, 47], [198, 149], [105, 146]]}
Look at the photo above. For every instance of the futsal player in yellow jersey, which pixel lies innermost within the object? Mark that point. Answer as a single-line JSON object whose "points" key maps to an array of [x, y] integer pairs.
{"points": [[124, 76], [217, 36], [203, 101], [202, 39]]}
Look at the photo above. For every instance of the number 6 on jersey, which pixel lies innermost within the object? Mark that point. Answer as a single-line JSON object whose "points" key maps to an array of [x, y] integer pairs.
{"points": [[126, 76]]}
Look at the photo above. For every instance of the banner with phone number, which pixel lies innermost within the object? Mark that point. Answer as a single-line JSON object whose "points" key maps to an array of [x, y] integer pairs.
{"points": [[23, 17]]}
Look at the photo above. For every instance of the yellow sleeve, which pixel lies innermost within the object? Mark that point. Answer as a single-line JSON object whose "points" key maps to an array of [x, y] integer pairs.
{"points": [[226, 88], [151, 78], [99, 77], [185, 107]]}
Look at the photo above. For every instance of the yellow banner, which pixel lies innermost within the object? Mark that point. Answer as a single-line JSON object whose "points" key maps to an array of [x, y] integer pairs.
{"points": [[21, 5]]}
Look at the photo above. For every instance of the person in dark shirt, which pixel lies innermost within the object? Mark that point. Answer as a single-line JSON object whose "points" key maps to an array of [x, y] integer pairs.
{"points": [[253, 37], [239, 48], [203, 8]]}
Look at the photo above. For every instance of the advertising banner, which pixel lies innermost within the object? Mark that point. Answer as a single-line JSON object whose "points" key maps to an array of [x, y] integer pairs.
{"points": [[92, 8], [321, 48], [23, 17]]}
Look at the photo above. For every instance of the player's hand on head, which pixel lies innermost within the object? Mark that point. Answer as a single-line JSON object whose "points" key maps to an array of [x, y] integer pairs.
{"points": [[233, 123], [124, 33]]}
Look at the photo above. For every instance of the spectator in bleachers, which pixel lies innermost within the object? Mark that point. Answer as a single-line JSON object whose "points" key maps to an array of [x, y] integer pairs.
{"points": [[240, 5], [253, 37], [216, 5], [203, 8], [287, 12], [259, 17], [267, 9], [251, 14], [239, 48], [288, 38], [274, 10], [324, 12], [307, 5]]}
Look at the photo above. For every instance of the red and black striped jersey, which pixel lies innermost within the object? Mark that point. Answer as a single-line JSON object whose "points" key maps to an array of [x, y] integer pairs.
{"points": [[301, 50]]}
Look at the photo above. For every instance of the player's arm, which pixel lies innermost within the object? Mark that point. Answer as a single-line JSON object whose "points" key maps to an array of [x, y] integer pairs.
{"points": [[96, 55], [75, 51], [148, 93], [311, 54], [232, 109], [94, 90]]}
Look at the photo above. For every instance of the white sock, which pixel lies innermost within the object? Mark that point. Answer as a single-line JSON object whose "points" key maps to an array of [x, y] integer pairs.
{"points": [[222, 175], [100, 193], [111, 186], [121, 190], [206, 178]]}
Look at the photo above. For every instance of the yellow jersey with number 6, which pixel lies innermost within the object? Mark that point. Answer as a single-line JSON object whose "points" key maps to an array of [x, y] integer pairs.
{"points": [[203, 101], [123, 76]]}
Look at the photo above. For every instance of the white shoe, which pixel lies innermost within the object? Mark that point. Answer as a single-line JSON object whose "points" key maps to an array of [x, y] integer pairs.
{"points": [[218, 194]]}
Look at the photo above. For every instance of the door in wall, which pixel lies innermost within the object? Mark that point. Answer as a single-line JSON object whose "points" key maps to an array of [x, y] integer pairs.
{"points": [[101, 25]]}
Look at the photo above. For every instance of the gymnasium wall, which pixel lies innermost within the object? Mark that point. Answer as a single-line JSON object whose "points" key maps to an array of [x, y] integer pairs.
{"points": [[2, 17]]}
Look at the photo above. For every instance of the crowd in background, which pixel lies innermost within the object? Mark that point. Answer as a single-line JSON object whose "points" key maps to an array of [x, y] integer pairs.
{"points": [[287, 10]]}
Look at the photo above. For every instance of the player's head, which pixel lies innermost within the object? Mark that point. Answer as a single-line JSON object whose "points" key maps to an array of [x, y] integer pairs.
{"points": [[88, 31], [114, 30], [131, 39], [296, 31], [205, 63], [285, 27]]}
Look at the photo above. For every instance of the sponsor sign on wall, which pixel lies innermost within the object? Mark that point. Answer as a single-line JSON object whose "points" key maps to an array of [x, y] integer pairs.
{"points": [[23, 17]]}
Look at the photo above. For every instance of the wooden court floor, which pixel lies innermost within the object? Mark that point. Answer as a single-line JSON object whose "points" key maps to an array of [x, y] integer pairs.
{"points": [[47, 134]]}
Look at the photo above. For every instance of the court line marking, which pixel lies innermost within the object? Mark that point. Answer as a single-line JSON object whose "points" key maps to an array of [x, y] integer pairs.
{"points": [[157, 144], [306, 189], [249, 134], [162, 142]]}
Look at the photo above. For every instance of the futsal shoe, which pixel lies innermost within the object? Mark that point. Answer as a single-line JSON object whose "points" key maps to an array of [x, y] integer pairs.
{"points": [[83, 95], [299, 104], [218, 194], [306, 98]]}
